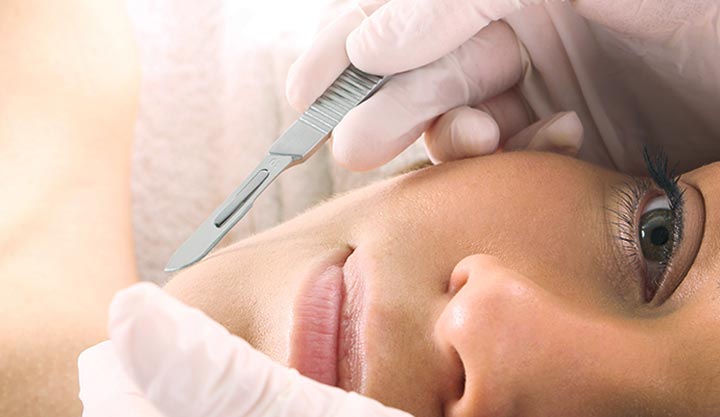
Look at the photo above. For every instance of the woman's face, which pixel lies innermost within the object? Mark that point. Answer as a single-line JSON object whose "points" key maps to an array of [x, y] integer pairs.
{"points": [[382, 291]]}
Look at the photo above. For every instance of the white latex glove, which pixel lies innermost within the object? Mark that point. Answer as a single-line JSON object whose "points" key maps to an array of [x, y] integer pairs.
{"points": [[637, 72], [166, 359], [459, 60]]}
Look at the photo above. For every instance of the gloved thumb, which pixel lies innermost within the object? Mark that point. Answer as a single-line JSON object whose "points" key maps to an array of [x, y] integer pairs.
{"points": [[188, 365]]}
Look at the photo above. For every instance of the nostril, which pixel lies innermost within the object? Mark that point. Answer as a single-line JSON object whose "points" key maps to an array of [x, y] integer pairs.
{"points": [[461, 377], [473, 264], [455, 385], [457, 281]]}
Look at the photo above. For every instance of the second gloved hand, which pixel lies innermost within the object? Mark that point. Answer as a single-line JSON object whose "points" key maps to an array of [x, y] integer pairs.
{"points": [[166, 359]]}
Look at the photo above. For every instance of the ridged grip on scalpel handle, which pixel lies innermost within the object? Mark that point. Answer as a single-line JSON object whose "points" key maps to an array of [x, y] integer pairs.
{"points": [[312, 129]]}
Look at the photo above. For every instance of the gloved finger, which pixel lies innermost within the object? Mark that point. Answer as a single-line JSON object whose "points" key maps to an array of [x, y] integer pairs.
{"points": [[510, 111], [462, 132], [561, 133], [190, 366], [405, 34], [380, 128], [313, 72], [466, 132], [106, 390]]}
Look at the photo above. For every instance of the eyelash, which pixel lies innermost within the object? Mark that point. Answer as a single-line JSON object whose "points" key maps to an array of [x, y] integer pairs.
{"points": [[633, 193]]}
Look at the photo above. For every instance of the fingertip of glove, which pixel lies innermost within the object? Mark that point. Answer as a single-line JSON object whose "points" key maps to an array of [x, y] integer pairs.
{"points": [[569, 123], [132, 300], [91, 358], [354, 149], [563, 135], [347, 157], [92, 352]]}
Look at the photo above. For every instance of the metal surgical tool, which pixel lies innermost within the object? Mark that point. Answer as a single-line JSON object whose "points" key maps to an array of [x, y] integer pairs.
{"points": [[293, 147]]}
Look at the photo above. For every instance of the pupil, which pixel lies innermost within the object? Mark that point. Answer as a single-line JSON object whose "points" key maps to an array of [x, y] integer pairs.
{"points": [[659, 236], [656, 239]]}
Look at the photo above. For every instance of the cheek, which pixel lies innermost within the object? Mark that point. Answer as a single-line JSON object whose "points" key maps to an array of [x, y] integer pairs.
{"points": [[248, 290], [558, 358]]}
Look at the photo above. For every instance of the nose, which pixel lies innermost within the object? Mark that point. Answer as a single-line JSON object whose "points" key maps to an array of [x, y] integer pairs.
{"points": [[475, 335]]}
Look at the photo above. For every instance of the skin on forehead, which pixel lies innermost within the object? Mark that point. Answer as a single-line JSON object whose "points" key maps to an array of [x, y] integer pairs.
{"points": [[563, 330]]}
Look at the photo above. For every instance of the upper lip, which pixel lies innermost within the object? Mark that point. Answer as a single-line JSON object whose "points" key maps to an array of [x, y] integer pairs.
{"points": [[326, 325]]}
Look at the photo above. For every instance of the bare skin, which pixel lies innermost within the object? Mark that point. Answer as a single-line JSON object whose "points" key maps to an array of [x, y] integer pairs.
{"points": [[555, 323], [69, 80]]}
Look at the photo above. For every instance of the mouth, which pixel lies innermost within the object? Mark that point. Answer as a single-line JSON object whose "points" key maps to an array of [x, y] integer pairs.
{"points": [[326, 327]]}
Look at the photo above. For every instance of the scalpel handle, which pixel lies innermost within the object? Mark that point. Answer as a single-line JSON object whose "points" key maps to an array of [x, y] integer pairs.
{"points": [[300, 141], [313, 127]]}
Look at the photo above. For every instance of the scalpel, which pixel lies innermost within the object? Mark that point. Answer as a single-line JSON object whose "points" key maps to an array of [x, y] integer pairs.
{"points": [[293, 147]]}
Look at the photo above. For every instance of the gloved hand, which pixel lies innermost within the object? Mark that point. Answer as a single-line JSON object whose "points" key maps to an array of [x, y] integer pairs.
{"points": [[636, 72], [166, 359], [457, 69]]}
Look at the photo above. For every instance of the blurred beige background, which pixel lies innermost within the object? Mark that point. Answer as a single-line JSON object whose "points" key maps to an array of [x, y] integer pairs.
{"points": [[212, 102]]}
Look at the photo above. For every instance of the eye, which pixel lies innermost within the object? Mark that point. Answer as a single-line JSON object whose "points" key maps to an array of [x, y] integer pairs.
{"points": [[656, 230]]}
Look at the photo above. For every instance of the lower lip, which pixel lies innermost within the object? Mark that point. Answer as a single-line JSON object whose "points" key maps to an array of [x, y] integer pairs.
{"points": [[314, 336]]}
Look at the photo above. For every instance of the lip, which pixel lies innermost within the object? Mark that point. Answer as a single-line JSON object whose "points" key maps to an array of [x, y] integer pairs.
{"points": [[323, 338], [352, 369]]}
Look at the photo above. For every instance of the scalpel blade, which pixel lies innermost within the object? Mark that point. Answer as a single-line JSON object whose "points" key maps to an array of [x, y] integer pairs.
{"points": [[293, 147], [215, 227]]}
